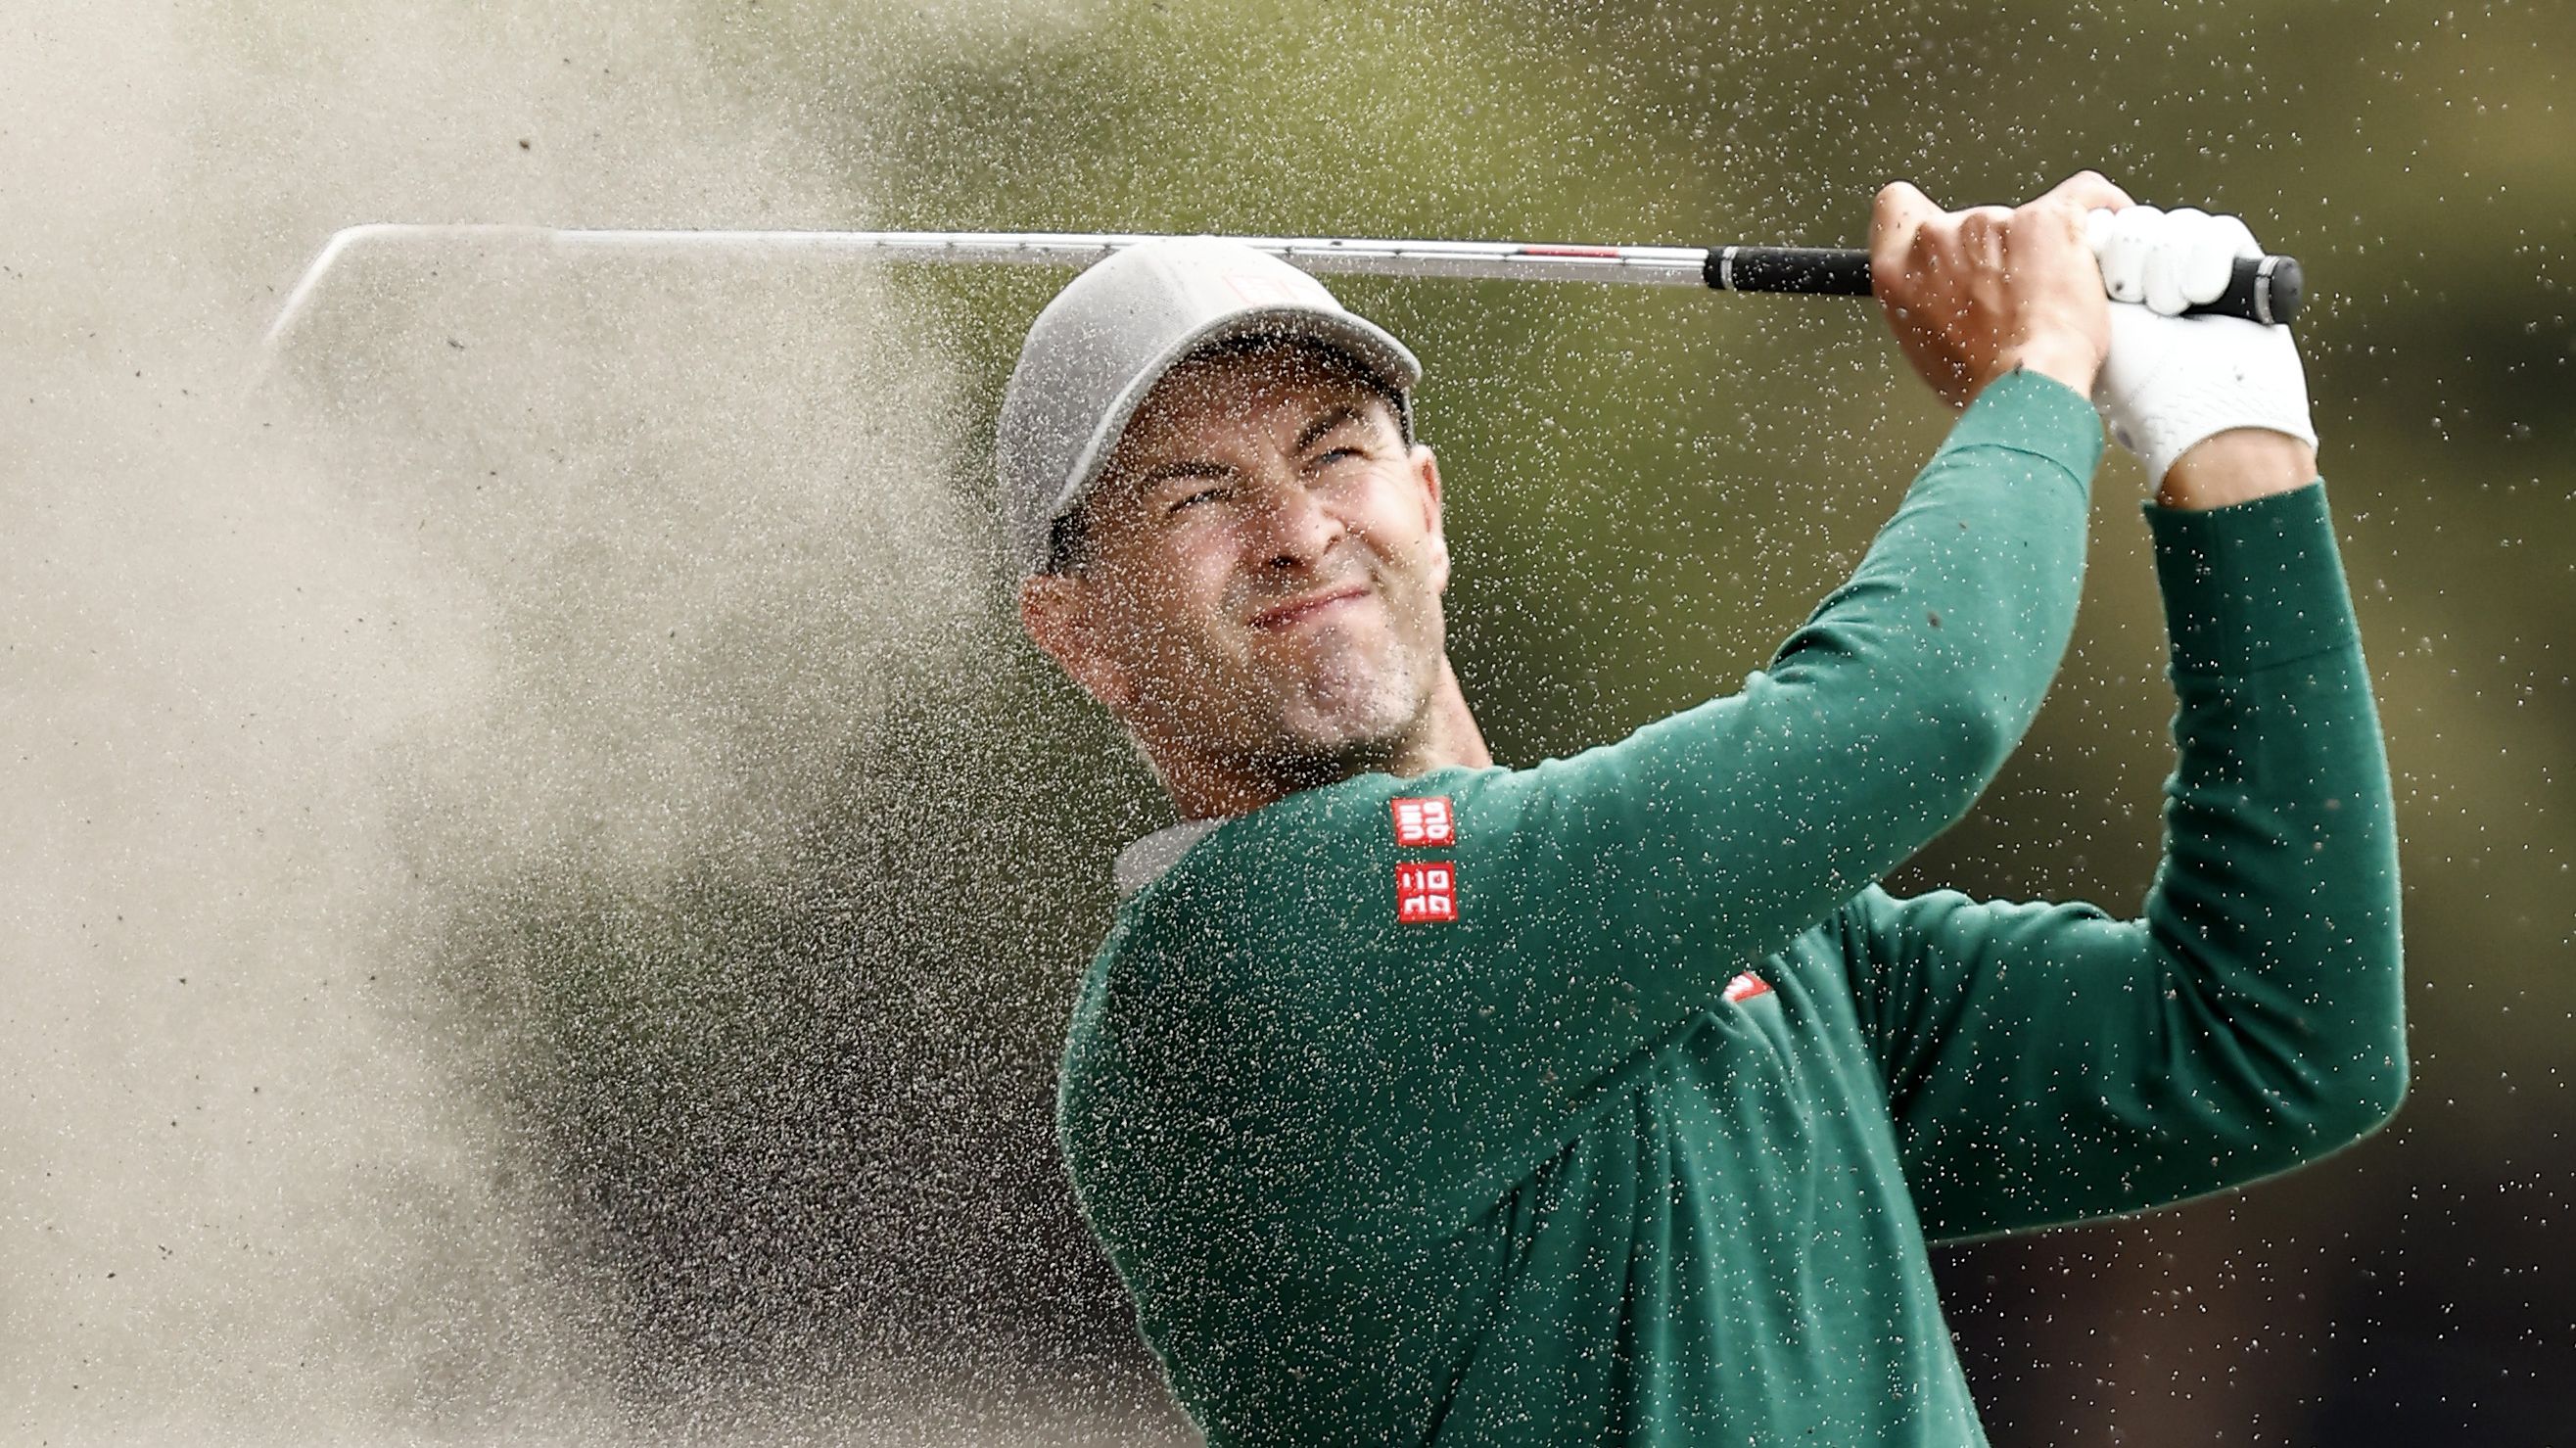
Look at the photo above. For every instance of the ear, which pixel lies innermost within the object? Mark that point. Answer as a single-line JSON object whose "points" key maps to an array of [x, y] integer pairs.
{"points": [[1062, 618], [1426, 472]]}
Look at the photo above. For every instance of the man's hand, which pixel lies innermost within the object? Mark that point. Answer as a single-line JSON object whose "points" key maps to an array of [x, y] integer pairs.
{"points": [[2217, 407], [1974, 294]]}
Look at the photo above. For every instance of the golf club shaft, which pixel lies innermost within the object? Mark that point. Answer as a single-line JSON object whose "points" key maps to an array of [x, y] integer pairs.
{"points": [[2263, 289]]}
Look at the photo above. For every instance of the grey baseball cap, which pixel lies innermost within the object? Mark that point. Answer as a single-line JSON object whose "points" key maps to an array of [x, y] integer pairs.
{"points": [[1098, 349]]}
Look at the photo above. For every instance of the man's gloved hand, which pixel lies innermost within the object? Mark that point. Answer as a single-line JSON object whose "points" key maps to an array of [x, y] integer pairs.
{"points": [[2171, 381]]}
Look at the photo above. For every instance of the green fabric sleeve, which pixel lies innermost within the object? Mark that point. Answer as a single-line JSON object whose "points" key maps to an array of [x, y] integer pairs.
{"points": [[1732, 826], [2047, 1063]]}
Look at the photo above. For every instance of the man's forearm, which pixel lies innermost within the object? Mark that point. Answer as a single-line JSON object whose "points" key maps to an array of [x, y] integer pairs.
{"points": [[2237, 466], [2279, 891]]}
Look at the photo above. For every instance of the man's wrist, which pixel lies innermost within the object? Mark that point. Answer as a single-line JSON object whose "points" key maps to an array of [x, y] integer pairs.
{"points": [[2074, 361], [2236, 466]]}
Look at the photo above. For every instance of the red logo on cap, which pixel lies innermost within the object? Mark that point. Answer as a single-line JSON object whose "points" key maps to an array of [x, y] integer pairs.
{"points": [[1425, 821], [1427, 893]]}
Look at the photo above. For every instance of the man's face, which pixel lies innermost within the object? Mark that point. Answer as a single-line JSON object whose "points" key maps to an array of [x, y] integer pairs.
{"points": [[1262, 570]]}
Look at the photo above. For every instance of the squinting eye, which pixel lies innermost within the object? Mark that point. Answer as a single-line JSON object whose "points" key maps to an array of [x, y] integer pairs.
{"points": [[1334, 455], [1203, 495]]}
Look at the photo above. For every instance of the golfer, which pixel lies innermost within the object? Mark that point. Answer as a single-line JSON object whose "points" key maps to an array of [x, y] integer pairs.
{"points": [[1419, 1099]]}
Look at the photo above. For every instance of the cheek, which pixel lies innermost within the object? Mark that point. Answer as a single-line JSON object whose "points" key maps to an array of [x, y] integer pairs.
{"points": [[1172, 616], [1412, 557], [1394, 515]]}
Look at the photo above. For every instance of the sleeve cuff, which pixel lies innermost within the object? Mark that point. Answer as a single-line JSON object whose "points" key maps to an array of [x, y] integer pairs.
{"points": [[2030, 413], [2251, 585]]}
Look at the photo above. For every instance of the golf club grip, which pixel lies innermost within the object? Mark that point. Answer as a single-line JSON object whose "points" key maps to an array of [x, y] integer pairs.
{"points": [[2263, 288]]}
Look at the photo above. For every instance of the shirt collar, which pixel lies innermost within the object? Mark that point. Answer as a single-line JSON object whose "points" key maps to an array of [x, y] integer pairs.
{"points": [[1146, 860]]}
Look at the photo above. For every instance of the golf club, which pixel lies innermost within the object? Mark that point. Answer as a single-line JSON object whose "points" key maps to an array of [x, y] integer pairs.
{"points": [[2263, 289]]}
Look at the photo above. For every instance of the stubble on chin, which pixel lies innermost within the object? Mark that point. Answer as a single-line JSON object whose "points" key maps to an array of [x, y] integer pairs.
{"points": [[1351, 718]]}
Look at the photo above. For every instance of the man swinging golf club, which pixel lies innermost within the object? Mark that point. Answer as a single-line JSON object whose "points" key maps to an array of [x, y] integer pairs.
{"points": [[1422, 1100]]}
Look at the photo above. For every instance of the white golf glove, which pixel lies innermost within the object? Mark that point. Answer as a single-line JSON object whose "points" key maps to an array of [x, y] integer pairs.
{"points": [[2171, 381]]}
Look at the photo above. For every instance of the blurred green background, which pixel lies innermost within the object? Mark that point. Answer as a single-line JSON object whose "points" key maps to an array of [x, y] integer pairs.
{"points": [[807, 1112]]}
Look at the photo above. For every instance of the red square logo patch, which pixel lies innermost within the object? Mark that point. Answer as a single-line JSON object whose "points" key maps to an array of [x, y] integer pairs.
{"points": [[1426, 893], [1425, 822]]}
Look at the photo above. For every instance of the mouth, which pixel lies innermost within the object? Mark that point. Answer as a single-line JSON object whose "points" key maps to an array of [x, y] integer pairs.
{"points": [[1296, 611]]}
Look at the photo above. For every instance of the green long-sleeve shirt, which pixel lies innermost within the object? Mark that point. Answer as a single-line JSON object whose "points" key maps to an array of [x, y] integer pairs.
{"points": [[1611, 1100]]}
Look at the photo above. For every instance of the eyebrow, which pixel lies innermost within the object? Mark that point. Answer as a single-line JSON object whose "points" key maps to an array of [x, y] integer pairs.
{"points": [[1147, 480], [1325, 421]]}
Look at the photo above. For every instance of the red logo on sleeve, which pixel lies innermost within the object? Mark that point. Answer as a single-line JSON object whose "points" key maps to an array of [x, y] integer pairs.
{"points": [[1426, 893], [1425, 822], [1746, 986]]}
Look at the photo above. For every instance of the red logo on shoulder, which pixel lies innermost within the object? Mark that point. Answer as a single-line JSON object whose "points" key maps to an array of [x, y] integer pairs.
{"points": [[1426, 893], [1426, 821], [1746, 986]]}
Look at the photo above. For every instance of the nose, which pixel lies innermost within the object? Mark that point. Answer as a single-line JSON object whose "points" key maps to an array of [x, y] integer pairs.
{"points": [[1293, 527]]}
